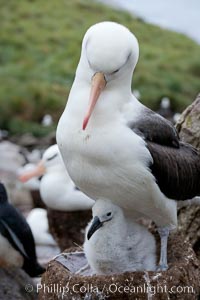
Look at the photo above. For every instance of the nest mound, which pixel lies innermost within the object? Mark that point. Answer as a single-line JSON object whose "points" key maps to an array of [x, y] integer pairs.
{"points": [[68, 228], [36, 198], [180, 281]]}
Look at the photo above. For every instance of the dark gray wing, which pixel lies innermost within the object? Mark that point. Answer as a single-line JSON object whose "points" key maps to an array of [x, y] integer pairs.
{"points": [[176, 170], [154, 128], [176, 165]]}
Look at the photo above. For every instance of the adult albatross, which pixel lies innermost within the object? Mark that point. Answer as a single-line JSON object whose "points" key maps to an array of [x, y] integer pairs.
{"points": [[116, 148]]}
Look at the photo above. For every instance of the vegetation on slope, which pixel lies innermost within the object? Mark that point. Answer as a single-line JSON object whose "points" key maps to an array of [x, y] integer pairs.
{"points": [[40, 48]]}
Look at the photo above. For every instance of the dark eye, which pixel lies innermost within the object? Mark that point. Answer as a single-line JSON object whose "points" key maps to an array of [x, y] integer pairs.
{"points": [[109, 214], [115, 71]]}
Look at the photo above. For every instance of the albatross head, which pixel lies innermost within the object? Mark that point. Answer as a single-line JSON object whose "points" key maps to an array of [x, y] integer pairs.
{"points": [[109, 55], [51, 159]]}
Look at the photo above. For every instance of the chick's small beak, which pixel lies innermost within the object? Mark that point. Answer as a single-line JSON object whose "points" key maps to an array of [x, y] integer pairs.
{"points": [[98, 84], [37, 172], [96, 224]]}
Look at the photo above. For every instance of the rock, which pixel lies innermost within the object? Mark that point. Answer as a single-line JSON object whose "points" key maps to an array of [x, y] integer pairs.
{"points": [[14, 283], [188, 127], [180, 281], [68, 228], [189, 225], [26, 140], [31, 142]]}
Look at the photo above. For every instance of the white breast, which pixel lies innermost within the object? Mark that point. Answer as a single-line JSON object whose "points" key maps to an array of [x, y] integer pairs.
{"points": [[9, 257], [108, 160]]}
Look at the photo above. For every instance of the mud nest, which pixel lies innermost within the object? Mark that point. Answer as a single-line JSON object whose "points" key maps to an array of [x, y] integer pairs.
{"points": [[180, 281], [37, 201]]}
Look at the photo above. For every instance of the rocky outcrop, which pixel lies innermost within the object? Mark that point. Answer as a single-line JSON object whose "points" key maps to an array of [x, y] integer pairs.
{"points": [[180, 281], [16, 285], [68, 228], [188, 127]]}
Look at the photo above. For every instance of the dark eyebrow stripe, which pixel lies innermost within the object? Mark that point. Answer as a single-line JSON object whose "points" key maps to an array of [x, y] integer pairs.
{"points": [[52, 157]]}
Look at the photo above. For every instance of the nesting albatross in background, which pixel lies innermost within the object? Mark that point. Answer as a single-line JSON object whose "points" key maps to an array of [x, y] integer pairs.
{"points": [[116, 148], [56, 188]]}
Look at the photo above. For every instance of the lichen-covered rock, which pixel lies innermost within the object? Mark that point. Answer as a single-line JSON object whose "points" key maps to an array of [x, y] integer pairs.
{"points": [[189, 225], [68, 228], [15, 284], [180, 281], [188, 127]]}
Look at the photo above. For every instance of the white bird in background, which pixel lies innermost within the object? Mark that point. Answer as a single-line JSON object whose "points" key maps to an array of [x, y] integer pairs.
{"points": [[38, 222], [114, 244], [116, 148], [176, 117], [165, 109], [47, 120], [56, 188]]}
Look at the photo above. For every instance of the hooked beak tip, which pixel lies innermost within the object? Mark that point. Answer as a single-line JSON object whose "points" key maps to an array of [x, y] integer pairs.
{"points": [[96, 224], [85, 122]]}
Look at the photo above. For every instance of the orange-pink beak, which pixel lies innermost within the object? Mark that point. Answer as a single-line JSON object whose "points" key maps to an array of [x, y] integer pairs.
{"points": [[98, 84], [37, 172]]}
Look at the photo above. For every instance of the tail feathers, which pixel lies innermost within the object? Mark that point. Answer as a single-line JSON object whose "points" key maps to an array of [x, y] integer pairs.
{"points": [[33, 268]]}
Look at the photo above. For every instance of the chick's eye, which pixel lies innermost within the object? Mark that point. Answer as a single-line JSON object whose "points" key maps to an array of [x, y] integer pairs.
{"points": [[108, 214]]}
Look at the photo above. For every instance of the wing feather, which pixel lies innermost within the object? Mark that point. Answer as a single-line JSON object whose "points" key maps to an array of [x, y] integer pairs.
{"points": [[13, 239], [177, 171], [176, 165]]}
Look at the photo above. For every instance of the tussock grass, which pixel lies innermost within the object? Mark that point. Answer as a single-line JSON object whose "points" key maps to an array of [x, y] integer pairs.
{"points": [[40, 48]]}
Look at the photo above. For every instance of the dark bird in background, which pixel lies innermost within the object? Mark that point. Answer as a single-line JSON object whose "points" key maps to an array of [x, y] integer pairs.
{"points": [[17, 246]]}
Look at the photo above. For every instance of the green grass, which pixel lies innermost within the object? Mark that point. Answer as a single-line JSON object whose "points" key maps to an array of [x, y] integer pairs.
{"points": [[40, 48]]}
